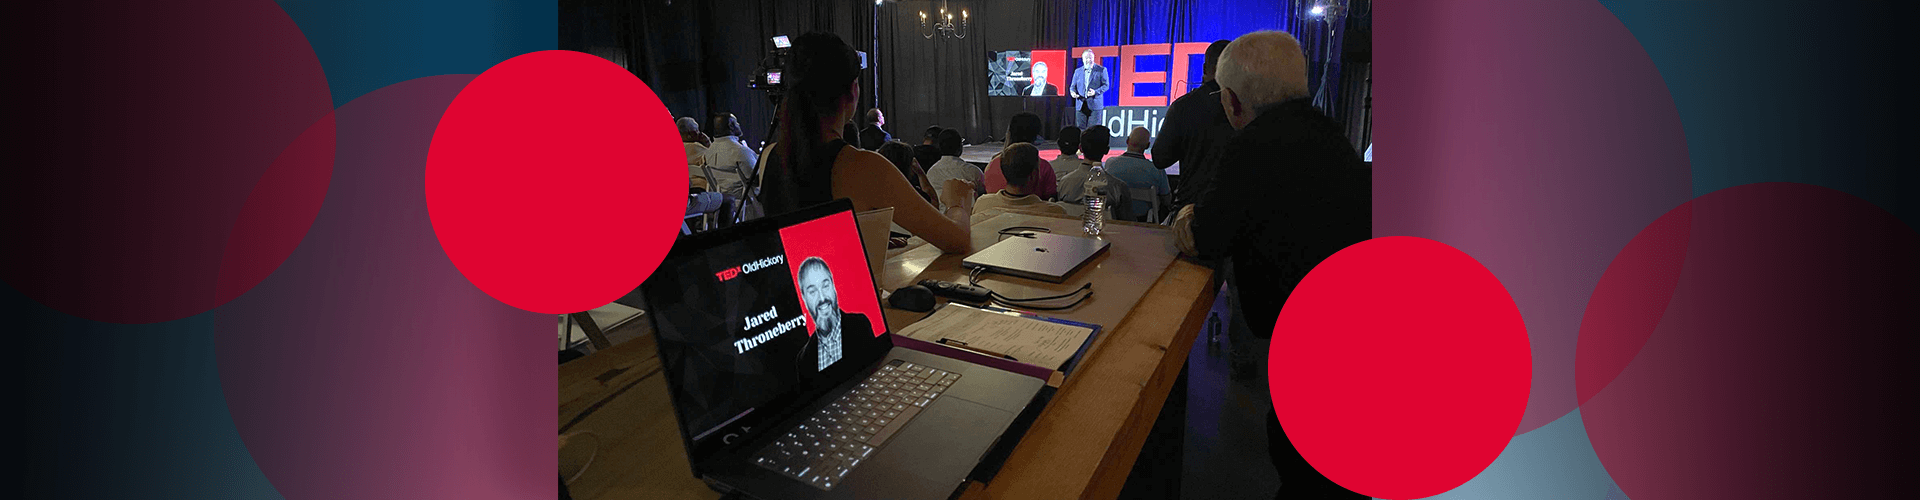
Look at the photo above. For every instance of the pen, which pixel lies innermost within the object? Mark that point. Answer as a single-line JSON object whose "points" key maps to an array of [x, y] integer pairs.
{"points": [[957, 344]]}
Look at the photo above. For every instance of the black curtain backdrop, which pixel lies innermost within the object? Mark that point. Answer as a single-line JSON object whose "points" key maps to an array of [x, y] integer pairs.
{"points": [[943, 81], [698, 55]]}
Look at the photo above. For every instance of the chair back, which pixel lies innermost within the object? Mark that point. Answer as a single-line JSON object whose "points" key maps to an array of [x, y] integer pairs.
{"points": [[1149, 194], [730, 179]]}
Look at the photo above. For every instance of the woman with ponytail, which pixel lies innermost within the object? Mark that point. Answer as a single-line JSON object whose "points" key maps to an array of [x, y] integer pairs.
{"points": [[811, 162]]}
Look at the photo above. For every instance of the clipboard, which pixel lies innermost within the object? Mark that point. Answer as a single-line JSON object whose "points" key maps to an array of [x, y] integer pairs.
{"points": [[1053, 377]]}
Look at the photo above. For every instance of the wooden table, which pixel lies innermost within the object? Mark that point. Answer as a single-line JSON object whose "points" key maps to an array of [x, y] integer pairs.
{"points": [[1083, 444]]}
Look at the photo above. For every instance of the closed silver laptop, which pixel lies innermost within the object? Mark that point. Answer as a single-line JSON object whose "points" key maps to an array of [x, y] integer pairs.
{"points": [[1041, 256]]}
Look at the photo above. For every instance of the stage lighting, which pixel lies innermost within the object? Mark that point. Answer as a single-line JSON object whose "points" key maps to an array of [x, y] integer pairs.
{"points": [[1317, 10]]}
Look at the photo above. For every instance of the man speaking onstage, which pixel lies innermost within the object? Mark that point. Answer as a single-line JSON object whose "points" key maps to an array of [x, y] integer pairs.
{"points": [[1089, 84]]}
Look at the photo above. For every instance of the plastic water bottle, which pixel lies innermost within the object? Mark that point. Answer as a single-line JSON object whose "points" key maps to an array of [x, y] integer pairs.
{"points": [[1096, 192]]}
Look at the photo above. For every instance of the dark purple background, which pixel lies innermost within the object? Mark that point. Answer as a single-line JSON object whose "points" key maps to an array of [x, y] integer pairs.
{"points": [[164, 160]]}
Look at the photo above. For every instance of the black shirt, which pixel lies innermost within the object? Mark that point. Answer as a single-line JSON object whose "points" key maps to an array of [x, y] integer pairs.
{"points": [[1195, 128], [851, 324], [1289, 192], [871, 138]]}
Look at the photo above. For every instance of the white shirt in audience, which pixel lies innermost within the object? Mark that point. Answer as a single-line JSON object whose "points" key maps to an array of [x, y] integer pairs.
{"points": [[696, 156], [728, 151], [1001, 199], [694, 152], [952, 167], [1066, 164], [1073, 184]]}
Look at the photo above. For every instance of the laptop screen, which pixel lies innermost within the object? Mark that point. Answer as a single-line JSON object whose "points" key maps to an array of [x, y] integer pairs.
{"points": [[755, 321]]}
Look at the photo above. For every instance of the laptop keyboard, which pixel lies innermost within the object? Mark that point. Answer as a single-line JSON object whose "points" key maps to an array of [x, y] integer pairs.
{"points": [[826, 446]]}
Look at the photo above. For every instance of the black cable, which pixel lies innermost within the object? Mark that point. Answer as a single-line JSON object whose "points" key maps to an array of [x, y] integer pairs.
{"points": [[1076, 303], [1088, 286]]}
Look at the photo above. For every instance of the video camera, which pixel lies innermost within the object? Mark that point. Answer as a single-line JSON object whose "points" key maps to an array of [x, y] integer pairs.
{"points": [[769, 76]]}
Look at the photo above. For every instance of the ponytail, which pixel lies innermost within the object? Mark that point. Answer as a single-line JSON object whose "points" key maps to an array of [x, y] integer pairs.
{"points": [[820, 73]]}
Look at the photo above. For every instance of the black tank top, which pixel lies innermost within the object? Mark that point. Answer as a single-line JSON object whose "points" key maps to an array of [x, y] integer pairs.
{"points": [[816, 186]]}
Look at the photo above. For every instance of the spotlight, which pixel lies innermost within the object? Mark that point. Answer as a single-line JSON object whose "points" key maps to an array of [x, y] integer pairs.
{"points": [[1317, 10]]}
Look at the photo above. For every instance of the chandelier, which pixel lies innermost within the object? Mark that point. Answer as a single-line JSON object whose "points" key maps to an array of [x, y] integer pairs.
{"points": [[944, 23]]}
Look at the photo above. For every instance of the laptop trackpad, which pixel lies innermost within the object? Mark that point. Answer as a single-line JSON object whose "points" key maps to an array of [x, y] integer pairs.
{"points": [[944, 443]]}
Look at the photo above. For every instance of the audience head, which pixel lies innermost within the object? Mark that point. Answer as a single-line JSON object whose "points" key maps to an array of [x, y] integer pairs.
{"points": [[901, 155], [1017, 163], [822, 80], [1213, 58], [1024, 127], [926, 155], [688, 127], [723, 124], [1069, 140], [1138, 139], [950, 142], [851, 134], [1257, 70], [875, 118], [932, 137], [1093, 142]]}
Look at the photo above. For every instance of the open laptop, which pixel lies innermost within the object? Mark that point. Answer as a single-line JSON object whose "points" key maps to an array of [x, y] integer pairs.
{"points": [[1042, 256], [778, 398]]}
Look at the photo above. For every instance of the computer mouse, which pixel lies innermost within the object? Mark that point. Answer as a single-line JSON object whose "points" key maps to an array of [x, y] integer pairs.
{"points": [[914, 298]]}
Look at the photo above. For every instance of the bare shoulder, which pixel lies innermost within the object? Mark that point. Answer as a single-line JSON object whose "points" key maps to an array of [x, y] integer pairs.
{"points": [[858, 160]]}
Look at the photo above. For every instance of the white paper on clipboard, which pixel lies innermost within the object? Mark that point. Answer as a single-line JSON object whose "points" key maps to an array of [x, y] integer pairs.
{"points": [[1032, 341]]}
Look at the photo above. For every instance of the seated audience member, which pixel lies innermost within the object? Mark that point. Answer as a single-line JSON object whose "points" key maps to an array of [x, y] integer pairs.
{"points": [[690, 137], [1289, 191], [1025, 127], [712, 202], [696, 145], [901, 155], [852, 133], [926, 156], [928, 152], [813, 163], [1195, 128], [1093, 145], [1133, 168], [873, 136], [951, 166], [728, 151], [1093, 148], [1069, 159], [1017, 164]]}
